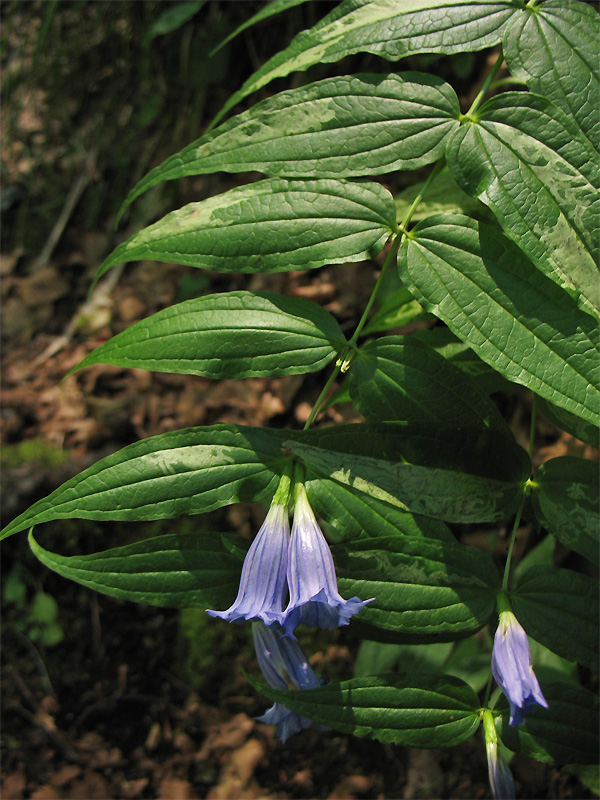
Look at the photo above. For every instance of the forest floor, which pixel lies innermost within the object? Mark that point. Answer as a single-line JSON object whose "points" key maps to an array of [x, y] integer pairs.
{"points": [[103, 698]]}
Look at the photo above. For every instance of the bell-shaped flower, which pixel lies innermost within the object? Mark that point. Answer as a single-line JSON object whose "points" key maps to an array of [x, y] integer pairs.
{"points": [[263, 587], [314, 597], [284, 666], [511, 666], [499, 774]]}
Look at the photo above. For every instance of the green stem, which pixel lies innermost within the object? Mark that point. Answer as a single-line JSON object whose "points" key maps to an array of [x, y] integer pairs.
{"points": [[396, 244], [486, 84], [532, 425], [526, 490], [323, 394], [342, 363]]}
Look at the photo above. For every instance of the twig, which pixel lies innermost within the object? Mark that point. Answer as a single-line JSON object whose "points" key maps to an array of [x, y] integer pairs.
{"points": [[73, 197]]}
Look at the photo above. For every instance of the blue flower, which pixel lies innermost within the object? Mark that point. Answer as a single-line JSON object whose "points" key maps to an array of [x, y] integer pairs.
{"points": [[511, 666], [263, 586], [314, 596], [284, 666], [499, 774]]}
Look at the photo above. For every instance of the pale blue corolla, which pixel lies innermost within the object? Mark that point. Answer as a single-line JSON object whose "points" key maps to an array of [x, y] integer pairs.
{"points": [[312, 583]]}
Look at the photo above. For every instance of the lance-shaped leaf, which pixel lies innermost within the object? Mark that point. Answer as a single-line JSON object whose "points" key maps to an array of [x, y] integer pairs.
{"points": [[424, 589], [566, 498], [516, 319], [176, 570], [559, 608], [576, 426], [351, 125], [355, 515], [184, 472], [449, 474], [554, 48], [397, 378], [269, 226], [387, 28], [529, 163], [228, 335], [444, 342], [410, 710], [566, 732]]}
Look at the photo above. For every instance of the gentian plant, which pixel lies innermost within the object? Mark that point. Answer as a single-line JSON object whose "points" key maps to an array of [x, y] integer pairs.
{"points": [[493, 248]]}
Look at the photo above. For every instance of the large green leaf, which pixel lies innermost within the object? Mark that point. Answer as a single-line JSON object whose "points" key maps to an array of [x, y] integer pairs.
{"points": [[269, 226], [179, 570], [350, 125], [423, 589], [565, 732], [554, 48], [196, 470], [228, 335], [184, 472], [355, 515], [566, 499], [526, 160], [398, 378], [444, 342], [391, 29], [451, 474], [409, 710], [559, 608], [577, 427], [514, 318]]}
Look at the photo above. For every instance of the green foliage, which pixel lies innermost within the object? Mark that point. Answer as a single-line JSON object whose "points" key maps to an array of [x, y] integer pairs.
{"points": [[499, 245]]}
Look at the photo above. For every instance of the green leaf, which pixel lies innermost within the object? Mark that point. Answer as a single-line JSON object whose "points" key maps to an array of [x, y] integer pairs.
{"points": [[409, 710], [177, 570], [444, 342], [269, 226], [450, 474], [267, 10], [385, 29], [577, 427], [554, 48], [423, 589], [340, 127], [398, 378], [355, 515], [531, 166], [229, 335], [176, 15], [184, 472], [559, 608], [565, 496], [565, 732], [514, 318]]}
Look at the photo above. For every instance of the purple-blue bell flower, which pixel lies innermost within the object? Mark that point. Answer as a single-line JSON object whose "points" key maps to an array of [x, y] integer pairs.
{"points": [[263, 585], [499, 774], [284, 665], [511, 666], [314, 597]]}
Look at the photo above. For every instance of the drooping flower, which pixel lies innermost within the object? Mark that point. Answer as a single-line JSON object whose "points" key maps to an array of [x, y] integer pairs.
{"points": [[314, 597], [284, 665], [500, 777], [511, 666], [263, 585]]}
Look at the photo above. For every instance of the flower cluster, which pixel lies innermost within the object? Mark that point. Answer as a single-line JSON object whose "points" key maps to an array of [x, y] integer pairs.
{"points": [[288, 579]]}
